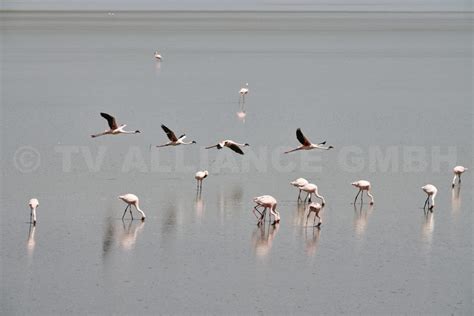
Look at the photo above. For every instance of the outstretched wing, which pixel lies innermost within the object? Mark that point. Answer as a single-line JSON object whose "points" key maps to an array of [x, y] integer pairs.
{"points": [[303, 140], [169, 133], [110, 119], [235, 148]]}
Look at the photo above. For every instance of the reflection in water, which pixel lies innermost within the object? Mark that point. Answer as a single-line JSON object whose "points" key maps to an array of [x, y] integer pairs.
{"points": [[128, 238], [428, 227], [199, 205], [241, 116], [361, 217], [228, 201], [108, 239], [456, 198], [262, 239], [299, 215], [313, 242], [31, 243], [157, 68]]}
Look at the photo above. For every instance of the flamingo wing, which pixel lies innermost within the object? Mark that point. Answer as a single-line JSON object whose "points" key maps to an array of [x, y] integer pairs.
{"points": [[302, 139], [169, 133], [110, 119], [235, 148]]}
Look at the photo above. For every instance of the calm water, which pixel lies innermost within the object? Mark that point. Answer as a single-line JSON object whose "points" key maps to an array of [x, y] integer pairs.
{"points": [[392, 93]]}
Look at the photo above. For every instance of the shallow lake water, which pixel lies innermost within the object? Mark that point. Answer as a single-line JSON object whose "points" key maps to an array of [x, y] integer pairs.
{"points": [[391, 92]]}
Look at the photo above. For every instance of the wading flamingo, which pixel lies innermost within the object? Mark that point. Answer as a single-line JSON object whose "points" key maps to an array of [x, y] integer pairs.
{"points": [[244, 91], [458, 170], [431, 191], [230, 144], [314, 207], [174, 141], [266, 201], [33, 203], [131, 199], [363, 185], [306, 143], [200, 175], [114, 128], [298, 183], [311, 189]]}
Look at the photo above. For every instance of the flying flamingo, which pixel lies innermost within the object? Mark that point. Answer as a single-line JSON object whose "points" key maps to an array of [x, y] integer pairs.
{"points": [[114, 128], [243, 92], [174, 141], [266, 201], [363, 185], [131, 199], [33, 203], [200, 175], [298, 183], [314, 207], [458, 170], [158, 55], [311, 189], [431, 191], [306, 143], [230, 144]]}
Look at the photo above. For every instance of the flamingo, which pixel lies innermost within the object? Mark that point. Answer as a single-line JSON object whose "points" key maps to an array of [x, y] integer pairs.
{"points": [[431, 191], [363, 185], [244, 91], [298, 183], [200, 175], [314, 207], [158, 55], [174, 141], [33, 203], [266, 201], [114, 128], [306, 143], [131, 199], [458, 170], [312, 188], [230, 144]]}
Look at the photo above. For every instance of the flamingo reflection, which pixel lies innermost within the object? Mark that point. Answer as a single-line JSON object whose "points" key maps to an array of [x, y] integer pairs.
{"points": [[456, 198], [31, 243], [262, 239], [361, 217], [128, 237], [428, 227], [312, 244], [199, 204]]}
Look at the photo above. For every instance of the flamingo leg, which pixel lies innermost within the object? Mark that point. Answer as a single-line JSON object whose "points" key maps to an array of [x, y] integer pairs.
{"points": [[307, 217], [357, 196], [256, 209], [299, 196], [125, 211], [426, 202], [307, 197], [310, 194], [130, 209]]}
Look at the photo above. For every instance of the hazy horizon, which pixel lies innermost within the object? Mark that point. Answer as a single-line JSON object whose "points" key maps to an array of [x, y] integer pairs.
{"points": [[243, 5]]}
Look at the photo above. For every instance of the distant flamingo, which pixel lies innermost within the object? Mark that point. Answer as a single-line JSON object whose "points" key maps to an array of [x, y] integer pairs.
{"points": [[431, 191], [298, 183], [311, 189], [33, 203], [244, 91], [174, 141], [114, 128], [158, 55], [316, 208], [458, 170], [306, 143], [266, 201], [131, 199], [230, 144], [363, 185], [200, 175]]}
